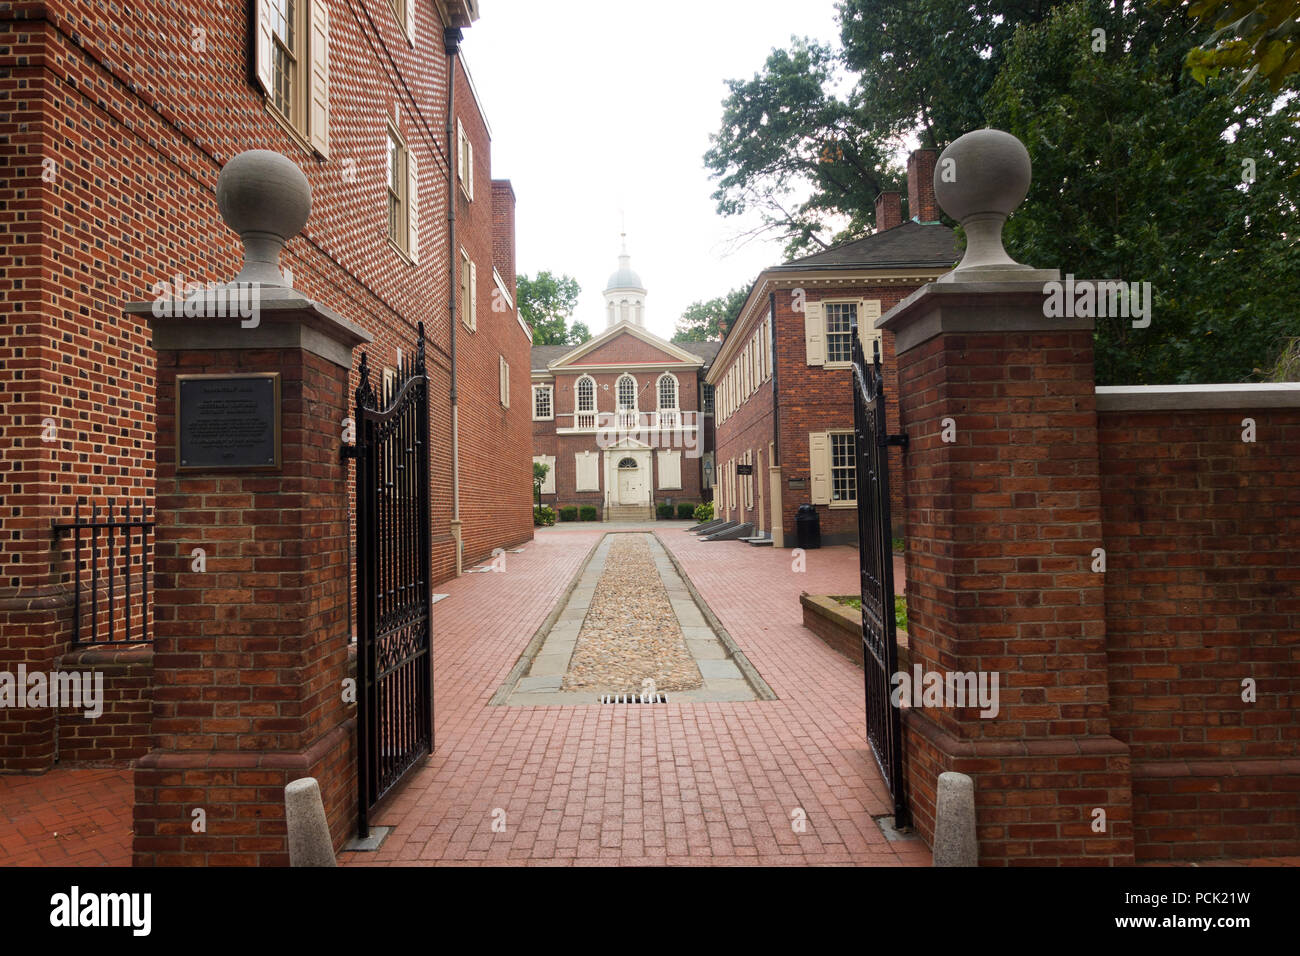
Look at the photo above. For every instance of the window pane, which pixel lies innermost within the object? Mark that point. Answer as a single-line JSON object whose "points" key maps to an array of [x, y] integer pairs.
{"points": [[586, 395], [844, 484], [839, 327], [667, 392], [626, 393]]}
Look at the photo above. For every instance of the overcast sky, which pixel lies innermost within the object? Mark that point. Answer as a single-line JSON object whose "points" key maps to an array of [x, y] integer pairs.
{"points": [[600, 108]]}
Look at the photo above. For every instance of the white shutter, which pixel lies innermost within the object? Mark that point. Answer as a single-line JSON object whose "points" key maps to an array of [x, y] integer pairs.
{"points": [[588, 474], [868, 312], [319, 124], [469, 148], [410, 21], [412, 207], [670, 469], [505, 382], [262, 46], [814, 333], [819, 467], [460, 150], [473, 293]]}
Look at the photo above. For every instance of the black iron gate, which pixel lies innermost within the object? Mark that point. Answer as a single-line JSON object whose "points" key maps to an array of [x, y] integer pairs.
{"points": [[876, 562], [394, 599]]}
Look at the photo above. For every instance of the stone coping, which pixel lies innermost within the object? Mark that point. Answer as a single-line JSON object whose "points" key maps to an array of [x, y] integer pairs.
{"points": [[1155, 398]]}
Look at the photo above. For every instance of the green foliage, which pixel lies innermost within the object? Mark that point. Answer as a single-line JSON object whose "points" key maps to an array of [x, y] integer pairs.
{"points": [[589, 513], [1135, 179], [663, 510], [543, 517], [546, 303], [685, 510], [1261, 37], [569, 513], [900, 608], [704, 512], [709, 321], [1287, 366], [540, 471]]}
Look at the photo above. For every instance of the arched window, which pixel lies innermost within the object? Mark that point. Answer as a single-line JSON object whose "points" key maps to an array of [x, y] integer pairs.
{"points": [[627, 463], [627, 393], [668, 390], [586, 394]]}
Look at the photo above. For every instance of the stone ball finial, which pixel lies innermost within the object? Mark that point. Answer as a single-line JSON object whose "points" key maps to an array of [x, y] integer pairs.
{"points": [[264, 197], [979, 180]]}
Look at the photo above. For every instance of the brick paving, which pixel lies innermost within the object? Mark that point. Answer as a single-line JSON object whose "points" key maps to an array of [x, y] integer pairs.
{"points": [[676, 783]]}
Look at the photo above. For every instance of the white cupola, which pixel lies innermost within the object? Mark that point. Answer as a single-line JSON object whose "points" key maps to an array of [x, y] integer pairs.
{"points": [[624, 293]]}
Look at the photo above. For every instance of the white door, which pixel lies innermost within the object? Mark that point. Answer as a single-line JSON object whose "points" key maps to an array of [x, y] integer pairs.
{"points": [[629, 482]]}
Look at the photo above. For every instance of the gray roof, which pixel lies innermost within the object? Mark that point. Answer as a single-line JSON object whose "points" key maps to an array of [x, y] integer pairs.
{"points": [[908, 245], [544, 355]]}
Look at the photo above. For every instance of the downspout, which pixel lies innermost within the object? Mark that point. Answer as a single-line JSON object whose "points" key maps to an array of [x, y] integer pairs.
{"points": [[451, 38]]}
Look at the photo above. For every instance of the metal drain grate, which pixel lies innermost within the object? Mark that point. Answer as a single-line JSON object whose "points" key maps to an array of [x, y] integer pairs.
{"points": [[634, 699]]}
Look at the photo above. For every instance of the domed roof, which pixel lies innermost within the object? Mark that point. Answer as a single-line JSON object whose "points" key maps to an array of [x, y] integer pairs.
{"points": [[624, 278]]}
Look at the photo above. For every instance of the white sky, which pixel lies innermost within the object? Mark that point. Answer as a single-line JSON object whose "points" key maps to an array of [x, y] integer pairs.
{"points": [[600, 108]]}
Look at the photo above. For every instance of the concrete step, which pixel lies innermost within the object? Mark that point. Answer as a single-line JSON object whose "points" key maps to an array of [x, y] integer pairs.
{"points": [[708, 526], [761, 541], [630, 513], [745, 530]]}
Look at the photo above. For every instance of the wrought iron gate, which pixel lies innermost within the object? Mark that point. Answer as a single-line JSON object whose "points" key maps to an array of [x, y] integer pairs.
{"points": [[876, 562], [394, 599]]}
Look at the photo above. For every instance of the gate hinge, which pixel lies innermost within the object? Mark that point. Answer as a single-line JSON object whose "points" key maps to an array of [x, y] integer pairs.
{"points": [[347, 451], [899, 440]]}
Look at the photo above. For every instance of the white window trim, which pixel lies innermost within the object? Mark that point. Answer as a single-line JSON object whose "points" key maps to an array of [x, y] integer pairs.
{"points": [[636, 393], [830, 470], [550, 403], [677, 393], [826, 331], [577, 403], [504, 371]]}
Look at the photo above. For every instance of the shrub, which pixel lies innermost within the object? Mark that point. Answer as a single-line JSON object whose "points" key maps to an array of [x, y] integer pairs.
{"points": [[569, 513], [663, 510], [543, 516], [685, 510], [589, 513], [704, 512]]}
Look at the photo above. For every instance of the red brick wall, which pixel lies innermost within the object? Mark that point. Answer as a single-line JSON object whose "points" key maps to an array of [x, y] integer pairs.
{"points": [[1202, 539], [136, 126], [496, 483], [921, 203], [121, 733]]}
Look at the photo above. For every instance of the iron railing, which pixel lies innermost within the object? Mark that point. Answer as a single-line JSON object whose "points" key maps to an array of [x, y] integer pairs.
{"points": [[122, 532]]}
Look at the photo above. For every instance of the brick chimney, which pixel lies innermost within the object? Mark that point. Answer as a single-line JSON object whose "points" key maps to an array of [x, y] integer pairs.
{"points": [[920, 185], [503, 231], [889, 210]]}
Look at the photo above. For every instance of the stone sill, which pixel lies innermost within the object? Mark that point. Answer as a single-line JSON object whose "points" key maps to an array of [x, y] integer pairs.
{"points": [[1156, 398]]}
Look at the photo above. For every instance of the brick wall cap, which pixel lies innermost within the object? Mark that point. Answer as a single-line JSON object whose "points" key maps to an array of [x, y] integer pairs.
{"points": [[1001, 306], [1151, 398]]}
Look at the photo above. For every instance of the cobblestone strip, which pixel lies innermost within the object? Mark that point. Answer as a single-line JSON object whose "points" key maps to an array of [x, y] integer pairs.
{"points": [[631, 633]]}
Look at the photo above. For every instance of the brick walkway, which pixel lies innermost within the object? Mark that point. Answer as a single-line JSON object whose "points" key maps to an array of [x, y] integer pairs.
{"points": [[67, 817], [675, 783]]}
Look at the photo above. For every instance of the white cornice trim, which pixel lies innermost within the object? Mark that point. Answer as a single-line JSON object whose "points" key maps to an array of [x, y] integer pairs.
{"points": [[1155, 398], [684, 358]]}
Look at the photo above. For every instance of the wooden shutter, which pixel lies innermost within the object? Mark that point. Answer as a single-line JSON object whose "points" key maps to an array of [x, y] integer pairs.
{"points": [[670, 469], [868, 312], [262, 46], [412, 207], [814, 333], [319, 123], [460, 150], [588, 474], [410, 21], [473, 295], [819, 467]]}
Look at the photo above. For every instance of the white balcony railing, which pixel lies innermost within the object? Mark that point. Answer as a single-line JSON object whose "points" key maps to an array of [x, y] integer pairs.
{"points": [[584, 420], [670, 419]]}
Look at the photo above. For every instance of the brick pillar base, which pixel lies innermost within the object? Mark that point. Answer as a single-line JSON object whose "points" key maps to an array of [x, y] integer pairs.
{"points": [[1003, 513], [251, 651]]}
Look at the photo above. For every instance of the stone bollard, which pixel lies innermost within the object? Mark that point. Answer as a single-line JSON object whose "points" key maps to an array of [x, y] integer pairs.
{"points": [[954, 823], [309, 833]]}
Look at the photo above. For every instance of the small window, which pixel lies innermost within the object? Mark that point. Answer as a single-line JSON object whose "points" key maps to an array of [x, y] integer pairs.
{"points": [[667, 392], [291, 65], [706, 398], [627, 393], [505, 382], [543, 409], [465, 162], [839, 331], [395, 183], [844, 471], [586, 395]]}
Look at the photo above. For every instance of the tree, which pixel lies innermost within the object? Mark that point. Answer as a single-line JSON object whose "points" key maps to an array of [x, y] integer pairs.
{"points": [[1144, 176], [578, 333], [1258, 36], [709, 321], [540, 471], [807, 142], [546, 303]]}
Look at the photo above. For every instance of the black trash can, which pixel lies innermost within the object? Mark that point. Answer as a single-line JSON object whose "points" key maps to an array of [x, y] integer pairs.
{"points": [[808, 527]]}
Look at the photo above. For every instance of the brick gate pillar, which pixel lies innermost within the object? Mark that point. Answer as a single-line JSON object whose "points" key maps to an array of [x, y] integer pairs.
{"points": [[1003, 505], [251, 559]]}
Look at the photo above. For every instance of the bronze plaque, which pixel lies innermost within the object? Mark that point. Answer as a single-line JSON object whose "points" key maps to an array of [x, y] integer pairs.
{"points": [[227, 421]]}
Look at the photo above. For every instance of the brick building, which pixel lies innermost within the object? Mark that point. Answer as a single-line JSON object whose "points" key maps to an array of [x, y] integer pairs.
{"points": [[783, 379], [619, 420], [115, 124]]}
